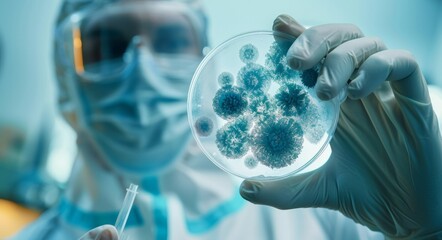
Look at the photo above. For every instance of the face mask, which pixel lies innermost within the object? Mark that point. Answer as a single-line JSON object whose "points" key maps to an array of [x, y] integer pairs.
{"points": [[136, 121]]}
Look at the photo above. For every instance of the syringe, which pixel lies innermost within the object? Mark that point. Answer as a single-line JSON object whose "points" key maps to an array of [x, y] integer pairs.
{"points": [[125, 209]]}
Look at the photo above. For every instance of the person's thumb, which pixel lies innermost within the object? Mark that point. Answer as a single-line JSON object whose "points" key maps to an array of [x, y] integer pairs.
{"points": [[306, 190]]}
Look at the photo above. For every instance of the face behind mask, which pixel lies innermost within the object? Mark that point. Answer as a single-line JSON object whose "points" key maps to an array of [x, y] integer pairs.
{"points": [[136, 121]]}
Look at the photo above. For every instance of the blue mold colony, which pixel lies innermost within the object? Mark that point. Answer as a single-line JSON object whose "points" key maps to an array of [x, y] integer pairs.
{"points": [[277, 143], [250, 162], [254, 78], [248, 53], [292, 99], [229, 102], [261, 107], [269, 128], [232, 139], [225, 79], [204, 126]]}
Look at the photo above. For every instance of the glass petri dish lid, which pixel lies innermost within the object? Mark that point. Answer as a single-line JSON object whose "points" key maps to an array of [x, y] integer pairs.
{"points": [[255, 117]]}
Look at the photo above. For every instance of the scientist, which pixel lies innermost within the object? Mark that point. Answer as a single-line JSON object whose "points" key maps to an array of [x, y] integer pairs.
{"points": [[384, 171], [124, 68]]}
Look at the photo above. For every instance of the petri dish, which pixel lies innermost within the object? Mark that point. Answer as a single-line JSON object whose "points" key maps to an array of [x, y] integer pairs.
{"points": [[255, 117]]}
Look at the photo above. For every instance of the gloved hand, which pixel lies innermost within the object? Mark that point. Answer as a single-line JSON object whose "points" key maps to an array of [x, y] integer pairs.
{"points": [[385, 170], [105, 232]]}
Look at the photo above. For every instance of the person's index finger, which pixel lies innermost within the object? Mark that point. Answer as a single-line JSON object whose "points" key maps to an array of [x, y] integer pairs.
{"points": [[315, 43]]}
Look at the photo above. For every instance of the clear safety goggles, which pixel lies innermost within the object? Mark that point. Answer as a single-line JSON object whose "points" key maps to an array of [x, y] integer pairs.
{"points": [[101, 40]]}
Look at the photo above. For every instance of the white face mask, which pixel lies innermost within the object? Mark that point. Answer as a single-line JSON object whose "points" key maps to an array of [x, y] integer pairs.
{"points": [[137, 121]]}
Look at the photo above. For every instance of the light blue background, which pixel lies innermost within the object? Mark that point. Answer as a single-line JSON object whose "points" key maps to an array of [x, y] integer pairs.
{"points": [[27, 84], [415, 25]]}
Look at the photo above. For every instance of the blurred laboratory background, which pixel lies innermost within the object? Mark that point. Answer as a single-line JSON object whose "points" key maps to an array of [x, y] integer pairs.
{"points": [[37, 147]]}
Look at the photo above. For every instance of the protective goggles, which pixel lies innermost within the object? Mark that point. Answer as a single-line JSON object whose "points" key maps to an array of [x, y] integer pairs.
{"points": [[101, 39]]}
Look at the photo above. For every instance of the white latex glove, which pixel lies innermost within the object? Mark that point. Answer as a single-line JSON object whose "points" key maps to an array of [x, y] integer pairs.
{"points": [[105, 232], [385, 170]]}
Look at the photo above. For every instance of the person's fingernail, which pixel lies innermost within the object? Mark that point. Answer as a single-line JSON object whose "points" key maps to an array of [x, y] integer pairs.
{"points": [[322, 90], [354, 87], [294, 62], [352, 94], [324, 95], [249, 190], [325, 89], [282, 19], [285, 23], [106, 234]]}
